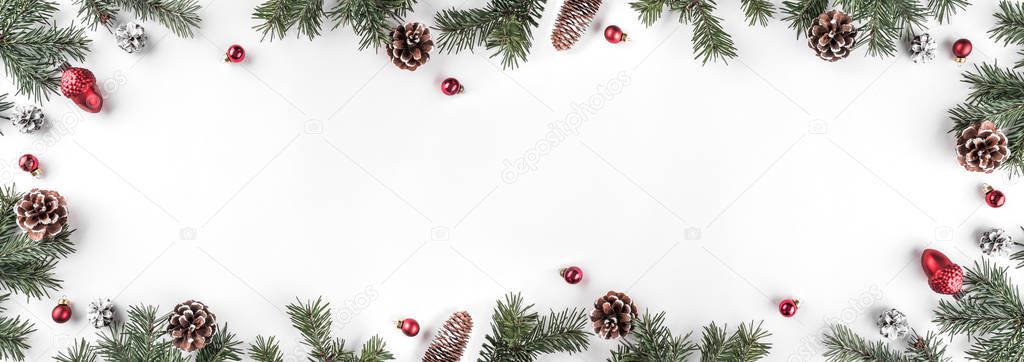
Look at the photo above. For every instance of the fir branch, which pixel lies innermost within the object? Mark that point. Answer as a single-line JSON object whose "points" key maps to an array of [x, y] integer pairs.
{"points": [[313, 320], [758, 12], [79, 352], [266, 350], [97, 12], [843, 345], [746, 344], [504, 27], [996, 94], [710, 41], [649, 11], [14, 334], [138, 339], [518, 334], [374, 350], [279, 16], [712, 343], [32, 49], [371, 20], [27, 266], [224, 346], [4, 104], [991, 314], [800, 14], [1009, 27], [650, 340], [180, 16], [930, 348], [942, 10]]}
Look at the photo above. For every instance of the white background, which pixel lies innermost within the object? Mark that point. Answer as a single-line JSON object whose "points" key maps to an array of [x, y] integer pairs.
{"points": [[797, 178]]}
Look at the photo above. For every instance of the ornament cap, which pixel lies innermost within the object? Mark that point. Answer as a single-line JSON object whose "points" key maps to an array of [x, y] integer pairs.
{"points": [[986, 188], [63, 300]]}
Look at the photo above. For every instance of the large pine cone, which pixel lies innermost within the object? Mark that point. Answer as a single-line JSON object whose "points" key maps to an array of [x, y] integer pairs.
{"points": [[573, 20], [832, 35], [410, 46], [450, 342], [191, 325], [41, 213], [613, 315], [981, 147]]}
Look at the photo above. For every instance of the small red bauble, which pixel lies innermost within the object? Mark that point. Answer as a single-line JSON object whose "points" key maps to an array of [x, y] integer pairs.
{"points": [[79, 85], [62, 312], [994, 198], [613, 34], [961, 49], [234, 54], [788, 307], [451, 86], [572, 275], [409, 327], [30, 164], [944, 276]]}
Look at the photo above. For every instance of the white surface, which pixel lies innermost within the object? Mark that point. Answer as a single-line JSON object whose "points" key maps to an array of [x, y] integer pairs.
{"points": [[837, 219]]}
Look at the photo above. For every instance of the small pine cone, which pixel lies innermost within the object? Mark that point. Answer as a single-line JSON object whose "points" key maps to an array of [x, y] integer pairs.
{"points": [[613, 315], [410, 46], [41, 213], [450, 342], [191, 325], [101, 313], [28, 118], [573, 20], [832, 35], [131, 37], [892, 324], [922, 48], [981, 147], [995, 242]]}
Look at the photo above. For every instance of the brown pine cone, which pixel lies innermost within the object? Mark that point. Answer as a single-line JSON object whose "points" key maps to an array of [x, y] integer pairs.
{"points": [[41, 213], [450, 342], [191, 325], [981, 147], [573, 20], [410, 46], [613, 315], [832, 35]]}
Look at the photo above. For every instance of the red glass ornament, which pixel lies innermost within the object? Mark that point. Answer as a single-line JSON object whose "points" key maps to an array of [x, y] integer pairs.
{"points": [[613, 34], [944, 276], [961, 49], [30, 164], [572, 275], [79, 85], [234, 54], [451, 86], [62, 312], [994, 198], [409, 327], [788, 307]]}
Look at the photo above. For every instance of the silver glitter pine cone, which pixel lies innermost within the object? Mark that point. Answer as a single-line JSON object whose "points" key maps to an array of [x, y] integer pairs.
{"points": [[995, 242], [28, 118], [101, 313], [922, 48], [131, 37], [893, 324]]}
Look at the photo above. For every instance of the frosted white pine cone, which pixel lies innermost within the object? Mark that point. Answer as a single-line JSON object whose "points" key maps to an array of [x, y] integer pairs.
{"points": [[101, 313], [131, 37]]}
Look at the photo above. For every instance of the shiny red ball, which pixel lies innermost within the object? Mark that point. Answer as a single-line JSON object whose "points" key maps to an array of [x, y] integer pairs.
{"points": [[451, 86], [234, 54], [995, 198], [61, 313], [613, 34], [29, 163], [409, 327], [961, 49], [572, 275], [788, 307]]}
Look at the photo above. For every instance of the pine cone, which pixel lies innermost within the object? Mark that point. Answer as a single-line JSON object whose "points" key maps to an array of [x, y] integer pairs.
{"points": [[573, 20], [922, 48], [613, 315], [450, 342], [832, 35], [131, 37], [191, 325], [892, 324], [981, 147], [101, 313], [995, 242], [410, 46], [41, 213], [28, 118]]}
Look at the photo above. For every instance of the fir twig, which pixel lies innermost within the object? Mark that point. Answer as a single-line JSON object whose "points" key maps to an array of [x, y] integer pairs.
{"points": [[78, 352], [371, 20], [313, 320], [519, 334], [1009, 27], [996, 94], [843, 345], [32, 49], [224, 346], [504, 27], [137, 339], [97, 12], [279, 16], [991, 314], [800, 14], [942, 10], [758, 12], [266, 350], [14, 333], [651, 340], [4, 104], [27, 266], [710, 41], [180, 16]]}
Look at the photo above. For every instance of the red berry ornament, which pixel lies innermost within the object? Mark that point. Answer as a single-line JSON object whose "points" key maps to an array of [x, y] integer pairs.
{"points": [[788, 307], [409, 327], [62, 312], [572, 275], [613, 34], [944, 276], [451, 86], [994, 198], [79, 85], [30, 164], [961, 49], [234, 54]]}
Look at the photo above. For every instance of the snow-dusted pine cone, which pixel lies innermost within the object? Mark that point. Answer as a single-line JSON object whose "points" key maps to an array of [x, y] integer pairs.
{"points": [[613, 315], [101, 312], [922, 48], [832, 35], [41, 213], [131, 37], [995, 242], [982, 147], [28, 118], [191, 325], [410, 46], [573, 20], [893, 324], [450, 342]]}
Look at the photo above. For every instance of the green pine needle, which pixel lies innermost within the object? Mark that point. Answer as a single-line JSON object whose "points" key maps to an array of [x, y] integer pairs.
{"points": [[843, 345], [277, 17], [32, 48], [224, 347], [942, 10], [1009, 27], [710, 41], [997, 95], [266, 350], [313, 320], [800, 14], [97, 12], [503, 27], [371, 20], [991, 314], [519, 334], [758, 12], [79, 352], [14, 333], [651, 340], [180, 16]]}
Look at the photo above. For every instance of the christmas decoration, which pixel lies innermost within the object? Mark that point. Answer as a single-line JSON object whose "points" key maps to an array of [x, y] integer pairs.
{"points": [[988, 313], [993, 198], [410, 46], [981, 147], [410, 327], [613, 34], [613, 315], [893, 324], [451, 86], [961, 49], [710, 41], [30, 164], [1009, 27], [313, 321], [234, 54], [371, 20], [922, 48], [450, 341], [28, 118], [131, 37], [191, 325], [79, 85], [520, 334], [101, 313], [843, 345], [572, 275], [788, 307], [180, 16], [509, 35], [944, 277], [986, 102], [995, 242], [573, 20], [832, 35], [652, 341], [34, 47], [41, 214], [62, 312]]}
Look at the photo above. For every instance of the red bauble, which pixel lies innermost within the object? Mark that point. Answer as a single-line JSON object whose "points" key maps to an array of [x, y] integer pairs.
{"points": [[994, 198], [572, 275], [30, 164], [79, 85], [409, 327], [944, 276], [613, 34], [62, 312], [788, 307], [451, 86], [234, 54], [961, 49]]}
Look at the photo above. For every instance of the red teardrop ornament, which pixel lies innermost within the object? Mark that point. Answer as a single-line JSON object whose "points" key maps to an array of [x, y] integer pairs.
{"points": [[944, 276], [79, 85]]}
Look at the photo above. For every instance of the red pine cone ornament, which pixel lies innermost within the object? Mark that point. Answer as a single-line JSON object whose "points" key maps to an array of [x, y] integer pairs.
{"points": [[79, 85], [944, 276]]}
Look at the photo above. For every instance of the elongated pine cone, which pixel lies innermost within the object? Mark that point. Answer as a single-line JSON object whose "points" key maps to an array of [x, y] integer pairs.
{"points": [[573, 20], [191, 325], [613, 315], [832, 35], [41, 213], [982, 147], [410, 46], [450, 342]]}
